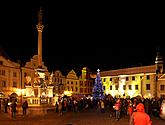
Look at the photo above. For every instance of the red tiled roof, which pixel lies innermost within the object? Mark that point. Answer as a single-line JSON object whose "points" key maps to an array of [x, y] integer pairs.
{"points": [[129, 71]]}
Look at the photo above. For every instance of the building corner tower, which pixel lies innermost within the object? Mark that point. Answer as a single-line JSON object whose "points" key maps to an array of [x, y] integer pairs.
{"points": [[159, 70]]}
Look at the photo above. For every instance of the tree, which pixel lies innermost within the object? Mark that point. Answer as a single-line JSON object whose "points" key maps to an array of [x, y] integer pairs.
{"points": [[98, 91]]}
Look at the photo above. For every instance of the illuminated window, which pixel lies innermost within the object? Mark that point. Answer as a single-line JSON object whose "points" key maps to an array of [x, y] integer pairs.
{"points": [[147, 86]]}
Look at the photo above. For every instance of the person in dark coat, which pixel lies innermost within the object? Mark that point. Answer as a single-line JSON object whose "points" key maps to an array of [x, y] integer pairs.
{"points": [[13, 109], [24, 107]]}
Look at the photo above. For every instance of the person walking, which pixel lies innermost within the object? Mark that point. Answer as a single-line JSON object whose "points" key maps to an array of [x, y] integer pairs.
{"points": [[140, 117], [13, 109], [117, 108], [24, 107]]}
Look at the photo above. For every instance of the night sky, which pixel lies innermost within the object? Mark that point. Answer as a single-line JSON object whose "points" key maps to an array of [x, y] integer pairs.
{"points": [[95, 35]]}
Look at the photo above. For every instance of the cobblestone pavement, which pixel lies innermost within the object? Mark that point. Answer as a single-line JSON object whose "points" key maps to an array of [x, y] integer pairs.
{"points": [[83, 118]]}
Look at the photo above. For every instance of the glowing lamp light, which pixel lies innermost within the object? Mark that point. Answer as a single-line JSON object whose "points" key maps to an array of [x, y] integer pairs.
{"points": [[68, 93], [20, 92]]}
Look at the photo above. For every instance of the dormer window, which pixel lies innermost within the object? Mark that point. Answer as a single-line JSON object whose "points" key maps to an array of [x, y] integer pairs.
{"points": [[1, 62]]}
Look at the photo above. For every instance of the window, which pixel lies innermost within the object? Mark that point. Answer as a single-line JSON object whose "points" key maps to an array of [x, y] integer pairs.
{"points": [[136, 87], [110, 87], [3, 83], [116, 87], [110, 79], [2, 72], [130, 87], [127, 78], [81, 83], [14, 84], [46, 77], [14, 74], [81, 90], [85, 82], [104, 87], [1, 62], [85, 90], [148, 77], [76, 89], [124, 87], [25, 74], [162, 87], [133, 78], [147, 86]]}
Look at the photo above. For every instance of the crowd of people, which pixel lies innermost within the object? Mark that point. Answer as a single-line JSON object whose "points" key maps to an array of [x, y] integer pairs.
{"points": [[136, 108], [11, 107]]}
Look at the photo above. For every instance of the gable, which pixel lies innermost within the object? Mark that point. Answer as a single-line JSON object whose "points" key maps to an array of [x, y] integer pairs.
{"points": [[8, 63], [72, 75]]}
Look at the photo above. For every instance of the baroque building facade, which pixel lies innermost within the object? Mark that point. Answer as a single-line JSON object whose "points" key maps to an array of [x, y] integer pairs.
{"points": [[72, 84], [14, 78], [9, 77]]}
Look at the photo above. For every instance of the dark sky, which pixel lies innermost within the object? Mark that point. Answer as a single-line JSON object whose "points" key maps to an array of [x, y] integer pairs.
{"points": [[96, 35]]}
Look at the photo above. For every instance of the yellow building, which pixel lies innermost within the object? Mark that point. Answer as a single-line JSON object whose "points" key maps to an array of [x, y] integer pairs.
{"points": [[146, 81], [72, 83]]}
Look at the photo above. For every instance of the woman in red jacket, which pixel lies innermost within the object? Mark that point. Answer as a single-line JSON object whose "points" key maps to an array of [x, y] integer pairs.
{"points": [[140, 117]]}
